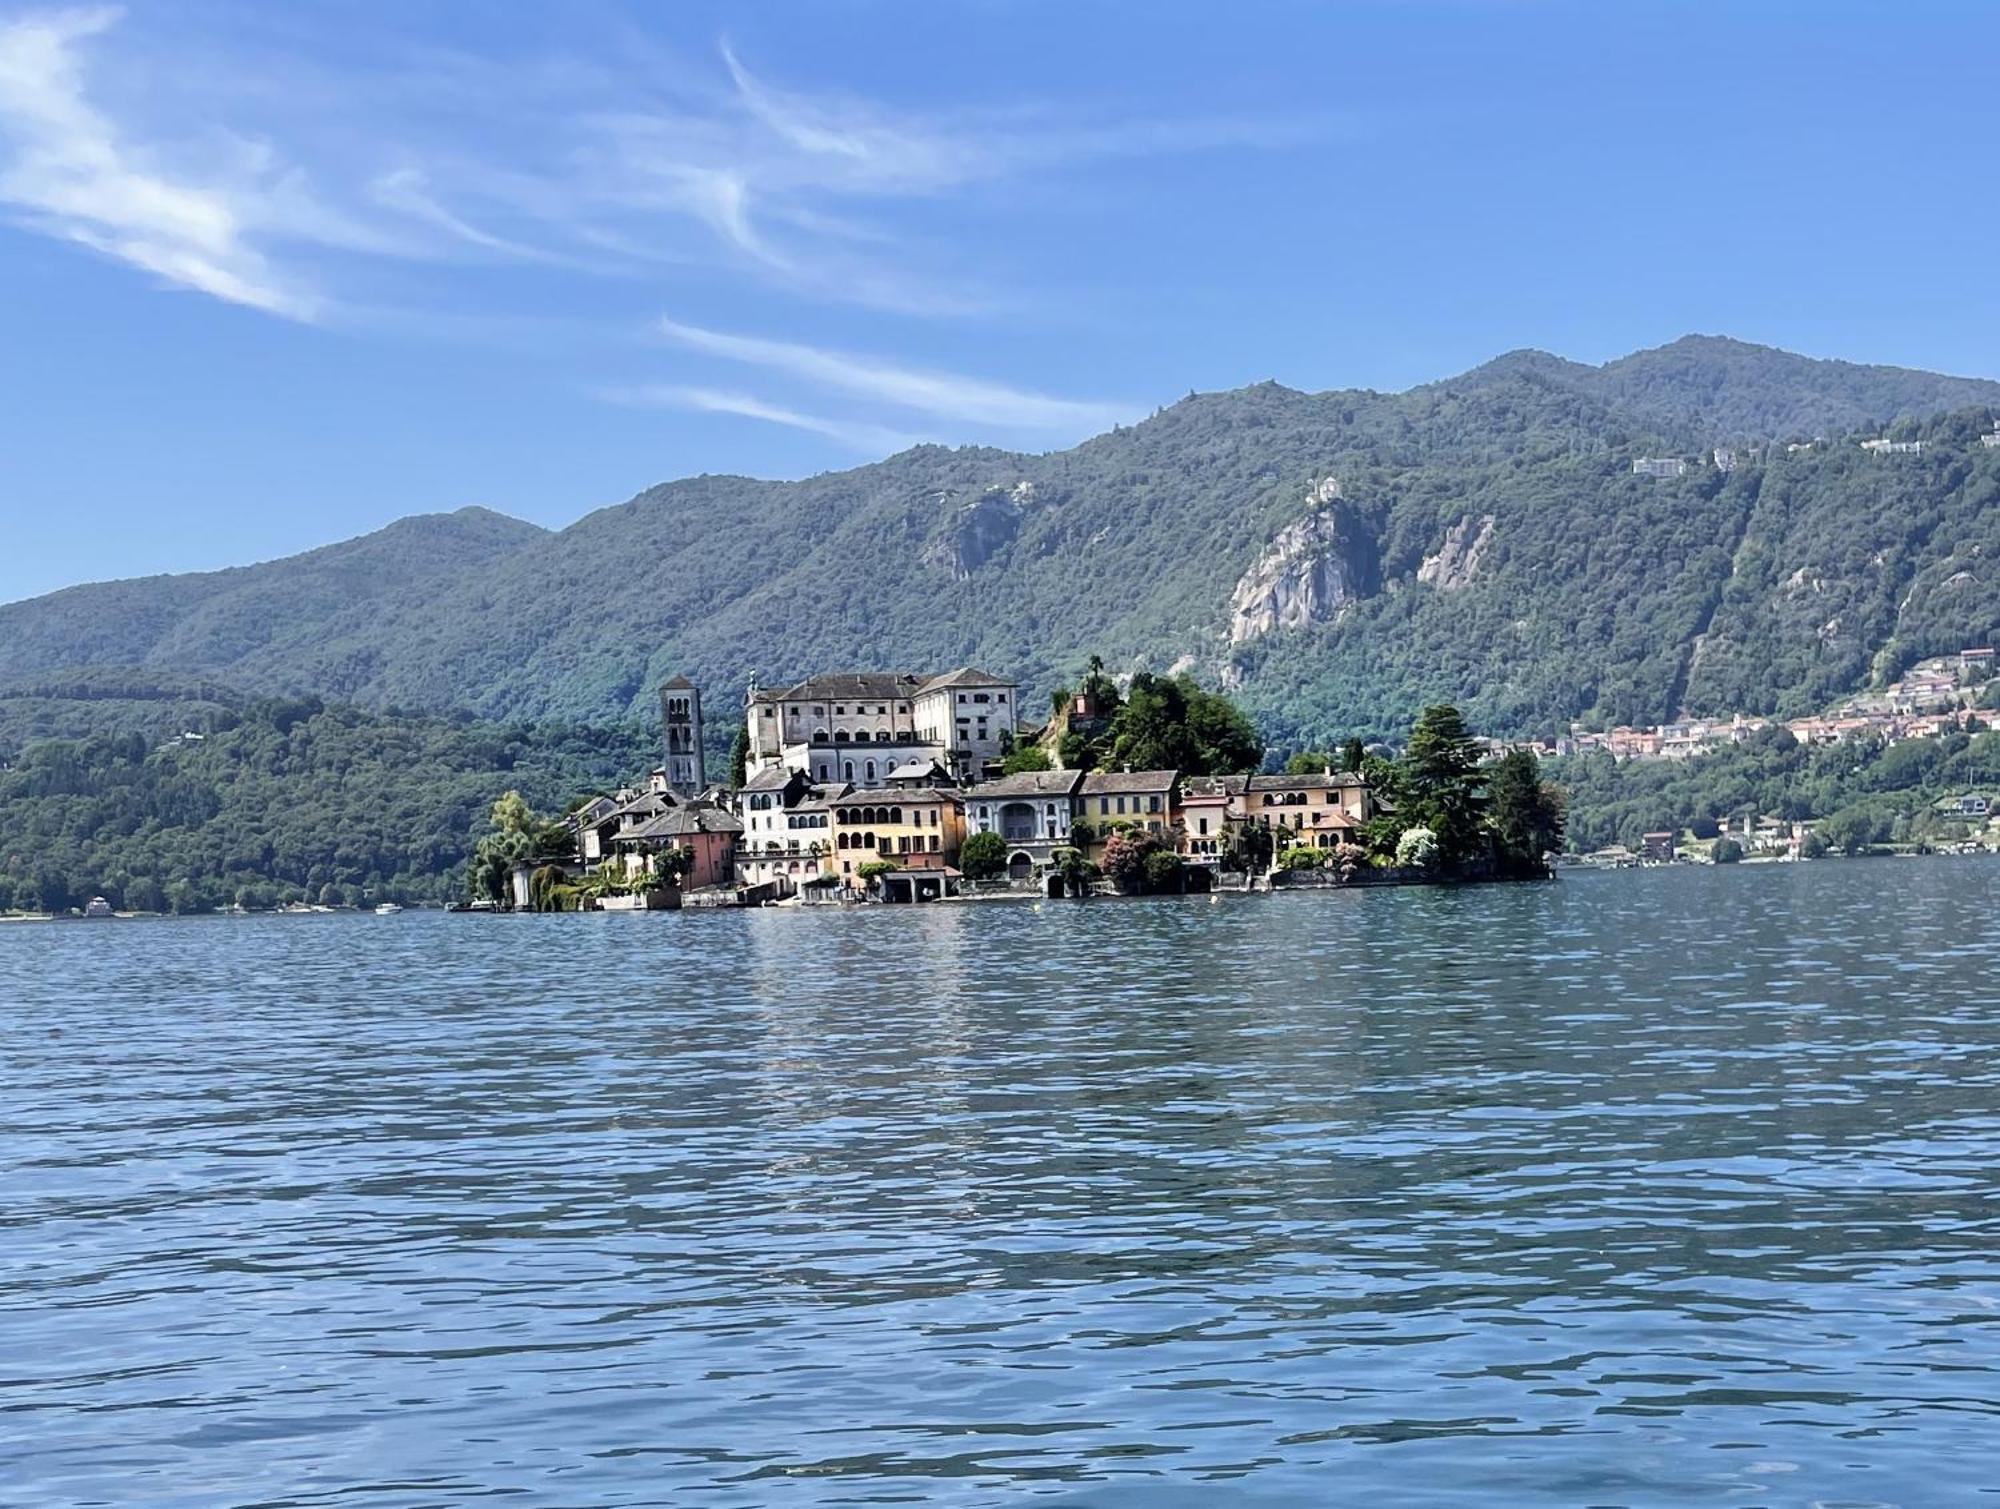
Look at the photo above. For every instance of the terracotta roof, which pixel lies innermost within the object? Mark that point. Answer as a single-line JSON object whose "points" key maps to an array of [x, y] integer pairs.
{"points": [[677, 684]]}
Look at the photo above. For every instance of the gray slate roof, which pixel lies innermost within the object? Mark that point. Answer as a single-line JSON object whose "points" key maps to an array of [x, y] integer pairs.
{"points": [[866, 686], [1029, 783], [685, 821], [890, 797], [1306, 782], [965, 675], [770, 778], [1125, 782]]}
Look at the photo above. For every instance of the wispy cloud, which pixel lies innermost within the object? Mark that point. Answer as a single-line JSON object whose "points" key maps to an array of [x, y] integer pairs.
{"points": [[857, 435], [946, 395], [72, 173], [293, 182]]}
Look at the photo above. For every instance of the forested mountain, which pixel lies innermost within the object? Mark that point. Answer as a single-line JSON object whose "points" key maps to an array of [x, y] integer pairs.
{"points": [[268, 799], [1339, 559]]}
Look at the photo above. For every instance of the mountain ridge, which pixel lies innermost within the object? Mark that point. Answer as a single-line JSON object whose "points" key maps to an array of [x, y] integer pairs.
{"points": [[1481, 538]]}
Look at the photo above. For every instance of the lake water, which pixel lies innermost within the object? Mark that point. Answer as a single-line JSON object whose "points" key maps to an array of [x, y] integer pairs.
{"points": [[1646, 1188]]}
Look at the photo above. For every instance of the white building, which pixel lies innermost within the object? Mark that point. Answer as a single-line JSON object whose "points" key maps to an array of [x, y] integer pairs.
{"points": [[970, 715], [858, 726], [1032, 811], [1659, 466], [786, 833]]}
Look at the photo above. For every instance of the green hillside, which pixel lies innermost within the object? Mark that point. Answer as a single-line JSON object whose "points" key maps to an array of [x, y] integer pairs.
{"points": [[269, 799], [1337, 559]]}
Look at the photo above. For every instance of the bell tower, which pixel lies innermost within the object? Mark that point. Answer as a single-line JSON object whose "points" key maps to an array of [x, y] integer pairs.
{"points": [[680, 722]]}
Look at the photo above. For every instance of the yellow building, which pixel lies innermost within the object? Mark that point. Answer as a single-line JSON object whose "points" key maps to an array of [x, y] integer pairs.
{"points": [[915, 827], [1320, 810]]}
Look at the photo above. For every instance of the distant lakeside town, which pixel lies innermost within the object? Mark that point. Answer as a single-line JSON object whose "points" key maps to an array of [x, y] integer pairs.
{"points": [[900, 788], [1935, 696]]}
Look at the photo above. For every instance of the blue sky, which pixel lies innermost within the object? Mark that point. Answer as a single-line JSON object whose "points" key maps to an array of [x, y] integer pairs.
{"points": [[275, 275]]}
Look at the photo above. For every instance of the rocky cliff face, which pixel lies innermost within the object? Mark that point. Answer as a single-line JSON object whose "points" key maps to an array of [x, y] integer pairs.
{"points": [[1454, 564], [982, 529], [1308, 572]]}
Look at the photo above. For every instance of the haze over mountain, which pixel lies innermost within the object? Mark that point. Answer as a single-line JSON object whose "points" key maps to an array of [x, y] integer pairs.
{"points": [[1339, 558]]}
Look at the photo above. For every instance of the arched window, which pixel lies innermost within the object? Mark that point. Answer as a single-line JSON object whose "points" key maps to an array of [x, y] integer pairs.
{"points": [[896, 815], [881, 736], [819, 736], [850, 771], [871, 770], [840, 736]]}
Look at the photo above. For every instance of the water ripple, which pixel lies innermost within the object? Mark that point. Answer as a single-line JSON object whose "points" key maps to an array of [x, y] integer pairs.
{"points": [[1661, 1188]]}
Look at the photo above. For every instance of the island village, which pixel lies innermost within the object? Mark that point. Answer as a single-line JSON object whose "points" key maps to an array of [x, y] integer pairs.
{"points": [[906, 788], [890, 786]]}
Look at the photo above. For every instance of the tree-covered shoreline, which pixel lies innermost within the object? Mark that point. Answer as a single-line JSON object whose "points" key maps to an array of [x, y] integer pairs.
{"points": [[164, 795], [279, 799]]}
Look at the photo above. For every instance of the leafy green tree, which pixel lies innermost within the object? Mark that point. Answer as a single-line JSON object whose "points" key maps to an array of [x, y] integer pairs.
{"points": [[1352, 754], [1077, 872], [1309, 762], [1164, 872], [983, 856], [1171, 723], [1253, 848], [1726, 851], [671, 866], [1852, 830], [739, 756], [1024, 758], [1526, 813], [1442, 788]]}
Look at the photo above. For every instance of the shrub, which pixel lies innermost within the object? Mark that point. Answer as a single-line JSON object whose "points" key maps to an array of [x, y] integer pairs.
{"points": [[1417, 849], [1163, 871], [983, 856], [1301, 857]]}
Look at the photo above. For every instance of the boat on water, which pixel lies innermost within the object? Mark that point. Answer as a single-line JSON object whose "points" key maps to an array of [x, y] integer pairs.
{"points": [[387, 909], [98, 907]]}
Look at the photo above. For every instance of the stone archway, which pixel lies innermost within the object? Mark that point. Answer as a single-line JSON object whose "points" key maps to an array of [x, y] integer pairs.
{"points": [[1020, 865]]}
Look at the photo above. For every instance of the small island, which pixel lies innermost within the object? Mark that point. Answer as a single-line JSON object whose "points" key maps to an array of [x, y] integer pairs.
{"points": [[855, 787]]}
